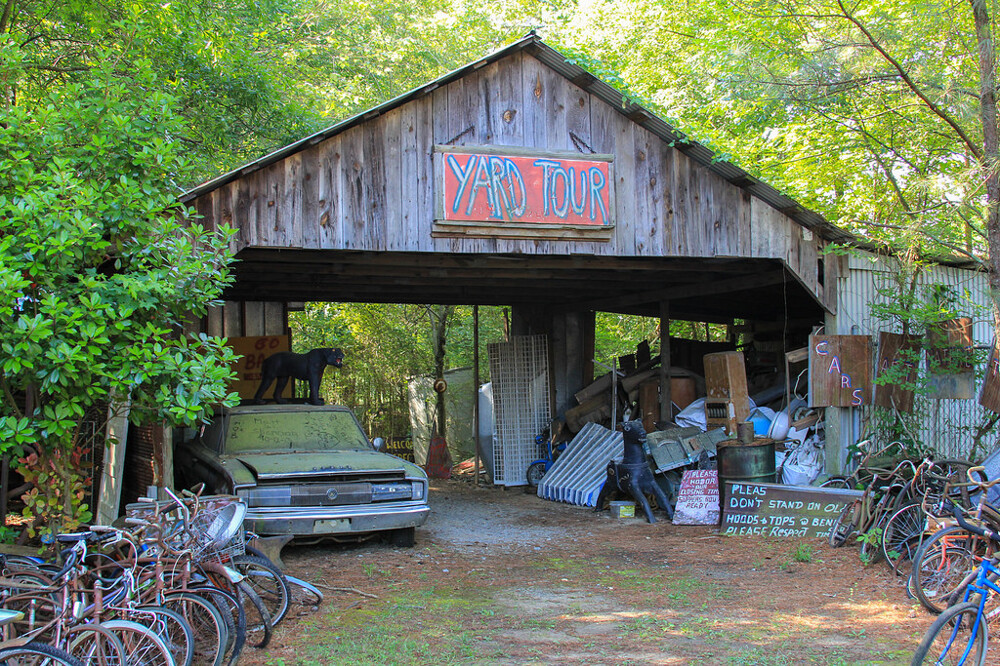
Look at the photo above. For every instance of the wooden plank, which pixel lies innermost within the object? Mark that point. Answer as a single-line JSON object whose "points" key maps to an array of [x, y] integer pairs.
{"points": [[352, 170], [291, 203], [506, 102], [213, 324], [426, 108], [839, 370], [486, 230], [699, 233], [371, 234], [556, 134], [648, 199], [328, 204], [245, 210], [253, 318], [625, 189], [683, 221], [901, 355], [578, 127], [409, 181], [274, 180], [771, 510], [665, 187], [232, 319], [309, 177], [274, 318], [395, 234], [533, 96]]}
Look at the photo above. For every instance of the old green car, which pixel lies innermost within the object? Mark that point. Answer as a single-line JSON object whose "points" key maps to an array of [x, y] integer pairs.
{"points": [[308, 471]]}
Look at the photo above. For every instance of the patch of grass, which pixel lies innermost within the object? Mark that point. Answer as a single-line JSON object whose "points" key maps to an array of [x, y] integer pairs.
{"points": [[803, 553], [414, 627], [756, 657]]}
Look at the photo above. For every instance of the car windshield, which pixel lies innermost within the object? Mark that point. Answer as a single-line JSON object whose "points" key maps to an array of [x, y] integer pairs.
{"points": [[321, 430]]}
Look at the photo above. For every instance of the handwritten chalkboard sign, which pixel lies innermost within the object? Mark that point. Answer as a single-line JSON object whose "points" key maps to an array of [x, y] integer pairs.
{"points": [[768, 509], [698, 498]]}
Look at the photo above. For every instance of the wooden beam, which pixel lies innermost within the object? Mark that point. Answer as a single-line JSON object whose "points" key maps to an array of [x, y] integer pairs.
{"points": [[706, 288], [666, 406]]}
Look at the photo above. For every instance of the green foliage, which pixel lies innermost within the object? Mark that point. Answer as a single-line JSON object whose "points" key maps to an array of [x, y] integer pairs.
{"points": [[386, 345], [810, 96], [803, 553], [98, 272]]}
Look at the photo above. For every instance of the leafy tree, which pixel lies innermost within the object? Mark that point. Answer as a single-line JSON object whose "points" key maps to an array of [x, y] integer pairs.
{"points": [[98, 271]]}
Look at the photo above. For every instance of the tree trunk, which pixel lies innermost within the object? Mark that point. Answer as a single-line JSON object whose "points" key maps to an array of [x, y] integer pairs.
{"points": [[991, 178], [439, 326]]}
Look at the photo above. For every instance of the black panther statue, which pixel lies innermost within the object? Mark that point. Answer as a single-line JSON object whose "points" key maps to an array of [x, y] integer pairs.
{"points": [[633, 475], [308, 366]]}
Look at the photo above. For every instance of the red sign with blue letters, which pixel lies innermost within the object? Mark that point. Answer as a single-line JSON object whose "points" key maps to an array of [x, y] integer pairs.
{"points": [[487, 187]]}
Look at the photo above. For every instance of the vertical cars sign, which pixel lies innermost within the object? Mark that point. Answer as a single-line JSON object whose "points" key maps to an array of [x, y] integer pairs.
{"points": [[480, 185]]}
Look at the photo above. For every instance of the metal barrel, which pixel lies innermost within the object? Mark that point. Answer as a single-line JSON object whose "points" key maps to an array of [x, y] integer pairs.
{"points": [[752, 463]]}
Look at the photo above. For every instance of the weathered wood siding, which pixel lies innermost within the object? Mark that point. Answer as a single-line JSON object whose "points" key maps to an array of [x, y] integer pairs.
{"points": [[371, 187]]}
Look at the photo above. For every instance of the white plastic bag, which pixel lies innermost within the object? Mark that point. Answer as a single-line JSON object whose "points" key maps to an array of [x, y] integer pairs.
{"points": [[804, 463]]}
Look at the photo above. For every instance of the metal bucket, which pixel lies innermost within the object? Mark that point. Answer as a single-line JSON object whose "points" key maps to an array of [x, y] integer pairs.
{"points": [[751, 463]]}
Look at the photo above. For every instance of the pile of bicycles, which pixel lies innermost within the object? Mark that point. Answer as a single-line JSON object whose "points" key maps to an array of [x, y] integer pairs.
{"points": [[890, 518], [176, 584]]}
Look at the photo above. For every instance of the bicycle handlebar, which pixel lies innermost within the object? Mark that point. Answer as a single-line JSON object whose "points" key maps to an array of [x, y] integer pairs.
{"points": [[985, 483], [975, 529]]}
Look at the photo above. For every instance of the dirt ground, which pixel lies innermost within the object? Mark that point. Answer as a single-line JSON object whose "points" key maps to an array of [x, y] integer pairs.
{"points": [[500, 576]]}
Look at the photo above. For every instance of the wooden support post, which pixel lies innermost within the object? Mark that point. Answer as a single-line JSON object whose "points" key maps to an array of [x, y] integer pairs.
{"points": [[475, 386], [666, 406]]}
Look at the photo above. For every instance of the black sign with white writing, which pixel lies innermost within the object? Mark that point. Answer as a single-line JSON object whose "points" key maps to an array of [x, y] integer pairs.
{"points": [[768, 509]]}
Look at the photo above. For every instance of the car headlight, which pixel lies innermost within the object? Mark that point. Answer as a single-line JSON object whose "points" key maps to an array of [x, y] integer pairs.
{"points": [[393, 491], [418, 490], [266, 496]]}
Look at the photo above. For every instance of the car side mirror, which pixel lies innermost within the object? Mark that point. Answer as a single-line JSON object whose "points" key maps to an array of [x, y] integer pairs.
{"points": [[378, 444]]}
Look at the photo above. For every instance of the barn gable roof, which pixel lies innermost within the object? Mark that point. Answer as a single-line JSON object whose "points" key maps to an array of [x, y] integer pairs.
{"points": [[534, 46]]}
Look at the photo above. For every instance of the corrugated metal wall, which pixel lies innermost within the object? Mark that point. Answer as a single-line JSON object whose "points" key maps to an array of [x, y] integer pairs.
{"points": [[947, 423]]}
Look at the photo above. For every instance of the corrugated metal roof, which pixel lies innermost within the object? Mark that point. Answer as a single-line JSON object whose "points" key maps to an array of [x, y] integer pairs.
{"points": [[580, 77], [578, 474]]}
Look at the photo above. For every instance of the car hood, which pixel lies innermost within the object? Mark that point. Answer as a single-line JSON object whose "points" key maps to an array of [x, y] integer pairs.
{"points": [[296, 465]]}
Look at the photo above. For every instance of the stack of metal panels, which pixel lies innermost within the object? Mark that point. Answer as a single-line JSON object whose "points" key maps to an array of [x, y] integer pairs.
{"points": [[578, 474], [520, 375]]}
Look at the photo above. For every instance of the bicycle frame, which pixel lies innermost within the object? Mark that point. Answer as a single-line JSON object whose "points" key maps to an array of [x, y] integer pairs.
{"points": [[982, 586]]}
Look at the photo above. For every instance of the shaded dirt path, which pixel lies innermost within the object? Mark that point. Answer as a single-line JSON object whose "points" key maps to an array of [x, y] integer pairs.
{"points": [[505, 577]]}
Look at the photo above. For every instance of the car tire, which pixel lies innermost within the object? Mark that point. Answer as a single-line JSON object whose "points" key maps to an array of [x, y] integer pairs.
{"points": [[404, 537]]}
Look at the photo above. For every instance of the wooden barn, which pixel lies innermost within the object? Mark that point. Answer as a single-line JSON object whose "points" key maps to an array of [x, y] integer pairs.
{"points": [[522, 180]]}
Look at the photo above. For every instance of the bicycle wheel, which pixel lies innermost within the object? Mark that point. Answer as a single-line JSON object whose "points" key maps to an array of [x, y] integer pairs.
{"points": [[40, 614], [95, 645], [958, 636], [845, 524], [258, 618], [536, 471], [171, 627], [942, 563], [871, 541], [902, 536], [836, 482], [142, 646], [267, 581], [37, 654], [207, 625], [303, 592], [232, 614]]}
